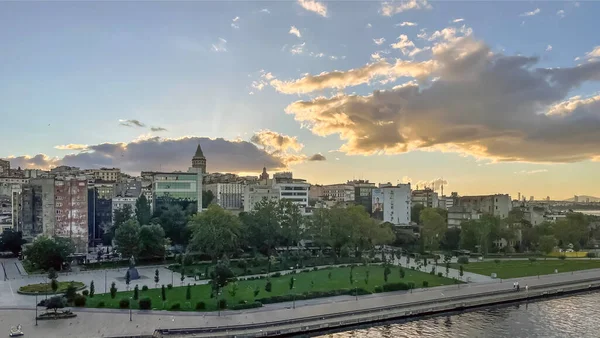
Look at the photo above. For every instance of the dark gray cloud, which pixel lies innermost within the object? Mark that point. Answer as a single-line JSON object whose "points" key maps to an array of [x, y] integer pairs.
{"points": [[163, 154], [158, 129], [131, 123], [317, 157], [474, 102]]}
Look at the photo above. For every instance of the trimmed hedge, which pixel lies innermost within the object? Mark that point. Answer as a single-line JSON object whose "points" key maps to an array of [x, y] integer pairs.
{"points": [[246, 306], [311, 295], [145, 303], [176, 306], [79, 300], [463, 260], [124, 303], [200, 306]]}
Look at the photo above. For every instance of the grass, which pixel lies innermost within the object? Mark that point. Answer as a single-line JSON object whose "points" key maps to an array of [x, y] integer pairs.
{"points": [[340, 279], [44, 288], [524, 268]]}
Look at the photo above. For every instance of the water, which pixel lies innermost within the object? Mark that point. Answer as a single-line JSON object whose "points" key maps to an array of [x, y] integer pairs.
{"points": [[573, 316], [589, 212]]}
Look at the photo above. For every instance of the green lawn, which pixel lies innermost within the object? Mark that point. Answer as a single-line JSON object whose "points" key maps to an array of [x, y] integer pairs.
{"points": [[340, 279], [523, 268], [44, 288]]}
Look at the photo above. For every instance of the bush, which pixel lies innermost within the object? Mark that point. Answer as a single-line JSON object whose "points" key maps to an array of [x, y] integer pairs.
{"points": [[316, 268], [276, 274], [145, 303], [532, 259], [440, 274], [562, 257], [176, 306], [591, 255], [395, 287], [411, 285], [100, 304], [124, 303], [200, 306], [169, 286], [246, 306], [425, 284], [463, 260], [85, 293], [378, 289], [242, 264], [79, 300], [268, 286], [222, 304], [145, 288], [497, 261]]}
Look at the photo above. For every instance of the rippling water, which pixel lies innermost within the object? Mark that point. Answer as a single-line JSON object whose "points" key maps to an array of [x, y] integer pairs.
{"points": [[573, 316]]}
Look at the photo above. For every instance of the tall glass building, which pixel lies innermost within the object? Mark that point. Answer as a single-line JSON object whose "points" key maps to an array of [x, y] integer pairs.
{"points": [[180, 188]]}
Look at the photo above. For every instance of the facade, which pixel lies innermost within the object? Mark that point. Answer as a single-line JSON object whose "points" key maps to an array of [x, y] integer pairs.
{"points": [[100, 196], [105, 174], [4, 167], [227, 195], [71, 207], [363, 190], [199, 161], [254, 193], [38, 212], [458, 214], [281, 186], [497, 205], [426, 197], [315, 192], [338, 192], [177, 188], [393, 204], [119, 202]]}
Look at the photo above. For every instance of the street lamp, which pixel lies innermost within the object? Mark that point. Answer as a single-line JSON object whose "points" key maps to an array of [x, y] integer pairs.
{"points": [[130, 301], [36, 304], [219, 302], [356, 292], [294, 299]]}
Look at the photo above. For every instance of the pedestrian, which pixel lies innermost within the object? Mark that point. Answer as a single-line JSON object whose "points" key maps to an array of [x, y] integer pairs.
{"points": [[514, 285], [517, 286], [526, 288]]}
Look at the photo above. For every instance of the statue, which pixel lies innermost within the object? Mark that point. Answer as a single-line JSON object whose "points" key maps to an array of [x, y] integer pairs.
{"points": [[133, 273]]}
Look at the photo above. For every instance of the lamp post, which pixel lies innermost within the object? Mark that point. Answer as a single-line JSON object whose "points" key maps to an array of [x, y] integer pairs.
{"points": [[219, 302], [171, 277], [105, 281], [36, 304], [356, 292], [130, 301], [293, 298]]}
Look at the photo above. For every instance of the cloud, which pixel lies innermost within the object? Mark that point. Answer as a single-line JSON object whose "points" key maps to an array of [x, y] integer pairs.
{"points": [[532, 13], [234, 22], [220, 46], [594, 53], [314, 6], [265, 10], [235, 19], [465, 102], [158, 129], [295, 31], [379, 41], [131, 123], [274, 141], [548, 48], [560, 13], [317, 157], [435, 184], [458, 20], [163, 154], [298, 49], [404, 44], [395, 7], [71, 146], [353, 77], [376, 56], [531, 172], [369, 25], [406, 23]]}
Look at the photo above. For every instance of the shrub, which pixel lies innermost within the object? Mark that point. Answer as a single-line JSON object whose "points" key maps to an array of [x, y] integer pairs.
{"points": [[591, 255], [145, 288], [411, 285], [169, 286], [425, 283], [200, 306], [395, 287], [246, 306], [242, 264], [124, 303], [100, 304], [562, 257], [79, 300], [145, 303], [440, 274], [85, 293], [276, 274], [268, 286], [463, 260], [176, 306], [497, 261], [532, 259], [222, 304], [378, 289], [316, 268]]}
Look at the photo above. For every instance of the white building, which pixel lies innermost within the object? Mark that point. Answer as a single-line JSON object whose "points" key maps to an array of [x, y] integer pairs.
{"points": [[281, 186], [393, 204], [338, 192], [227, 195]]}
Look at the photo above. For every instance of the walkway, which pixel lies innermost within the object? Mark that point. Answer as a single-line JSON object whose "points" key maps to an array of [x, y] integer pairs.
{"points": [[107, 323]]}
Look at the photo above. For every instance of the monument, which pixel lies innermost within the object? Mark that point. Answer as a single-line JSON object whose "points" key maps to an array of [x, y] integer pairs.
{"points": [[133, 273]]}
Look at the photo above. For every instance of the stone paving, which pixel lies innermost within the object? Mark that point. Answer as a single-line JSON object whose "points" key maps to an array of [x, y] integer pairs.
{"points": [[107, 323]]}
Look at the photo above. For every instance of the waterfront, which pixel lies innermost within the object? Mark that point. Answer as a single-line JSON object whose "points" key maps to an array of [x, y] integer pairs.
{"points": [[555, 318]]}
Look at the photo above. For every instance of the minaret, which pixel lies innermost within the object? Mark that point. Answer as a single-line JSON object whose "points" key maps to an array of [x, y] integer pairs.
{"points": [[199, 161], [264, 175]]}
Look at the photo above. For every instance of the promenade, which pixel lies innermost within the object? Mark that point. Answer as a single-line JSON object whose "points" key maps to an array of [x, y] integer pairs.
{"points": [[115, 323]]}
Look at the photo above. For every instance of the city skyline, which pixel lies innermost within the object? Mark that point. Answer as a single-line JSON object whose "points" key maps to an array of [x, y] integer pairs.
{"points": [[386, 91]]}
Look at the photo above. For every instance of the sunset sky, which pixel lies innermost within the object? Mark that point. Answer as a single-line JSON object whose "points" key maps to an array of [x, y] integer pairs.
{"points": [[491, 97]]}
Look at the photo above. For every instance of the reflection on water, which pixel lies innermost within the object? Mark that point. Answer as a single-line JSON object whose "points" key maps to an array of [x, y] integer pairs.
{"points": [[575, 316]]}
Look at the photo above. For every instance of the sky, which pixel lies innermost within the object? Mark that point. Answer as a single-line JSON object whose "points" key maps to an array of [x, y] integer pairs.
{"points": [[485, 97]]}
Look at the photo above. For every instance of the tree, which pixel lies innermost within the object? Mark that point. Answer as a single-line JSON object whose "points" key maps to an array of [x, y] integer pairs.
{"points": [[54, 285], [451, 239], [92, 289], [291, 282], [173, 221], [233, 289], [386, 273], [156, 277], [188, 293], [136, 292], [70, 292], [433, 228], [182, 278], [127, 238], [46, 252], [52, 274], [142, 210], [11, 241], [415, 212], [447, 268], [262, 226], [55, 303], [268, 286], [127, 279], [163, 293], [291, 222], [113, 290], [152, 241], [120, 216], [221, 275], [547, 244], [215, 232], [571, 230], [461, 271], [207, 198]]}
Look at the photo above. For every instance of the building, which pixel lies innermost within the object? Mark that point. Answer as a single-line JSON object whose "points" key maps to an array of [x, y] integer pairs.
{"points": [[199, 161], [181, 188], [38, 212], [338, 192], [459, 214], [315, 193], [227, 195], [71, 207], [119, 202], [393, 204], [100, 197], [426, 197], [363, 193], [254, 193], [104, 174], [497, 205], [281, 186], [264, 175], [4, 167]]}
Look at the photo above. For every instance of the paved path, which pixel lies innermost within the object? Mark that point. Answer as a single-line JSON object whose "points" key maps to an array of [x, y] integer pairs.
{"points": [[106, 323]]}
